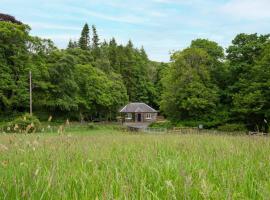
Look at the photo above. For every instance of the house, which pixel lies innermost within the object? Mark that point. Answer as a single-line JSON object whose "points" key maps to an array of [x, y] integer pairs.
{"points": [[138, 114]]}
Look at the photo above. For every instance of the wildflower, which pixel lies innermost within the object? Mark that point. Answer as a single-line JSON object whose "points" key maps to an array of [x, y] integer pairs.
{"points": [[3, 147], [169, 183], [60, 129], [16, 127], [50, 118], [28, 128], [8, 128]]}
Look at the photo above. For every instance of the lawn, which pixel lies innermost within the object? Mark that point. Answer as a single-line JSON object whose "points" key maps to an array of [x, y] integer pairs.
{"points": [[109, 164]]}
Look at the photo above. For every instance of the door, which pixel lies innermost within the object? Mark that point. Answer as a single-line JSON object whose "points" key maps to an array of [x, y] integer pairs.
{"points": [[139, 117]]}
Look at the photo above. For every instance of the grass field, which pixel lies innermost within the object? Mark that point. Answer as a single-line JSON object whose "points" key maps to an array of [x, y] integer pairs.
{"points": [[108, 164]]}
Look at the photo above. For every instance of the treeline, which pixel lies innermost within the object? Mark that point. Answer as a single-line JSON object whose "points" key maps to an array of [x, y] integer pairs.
{"points": [[203, 84], [88, 80], [91, 79]]}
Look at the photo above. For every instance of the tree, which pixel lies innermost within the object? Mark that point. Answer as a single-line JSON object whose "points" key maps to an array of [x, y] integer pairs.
{"points": [[252, 103], [63, 87], [188, 92], [95, 38], [113, 55], [216, 66], [14, 66], [84, 41], [9, 18], [212, 48], [244, 51], [95, 44], [143, 53], [72, 44], [99, 94]]}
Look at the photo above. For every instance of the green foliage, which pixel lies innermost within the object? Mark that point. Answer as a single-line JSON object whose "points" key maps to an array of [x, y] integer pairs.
{"points": [[215, 51], [72, 45], [249, 90], [84, 41], [232, 127], [163, 124], [92, 80], [188, 91], [91, 126], [23, 124], [14, 59]]}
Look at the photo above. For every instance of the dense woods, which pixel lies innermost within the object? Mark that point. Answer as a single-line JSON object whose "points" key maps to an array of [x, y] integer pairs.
{"points": [[92, 79]]}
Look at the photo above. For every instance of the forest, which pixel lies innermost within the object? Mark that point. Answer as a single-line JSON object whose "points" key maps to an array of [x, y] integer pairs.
{"points": [[91, 79]]}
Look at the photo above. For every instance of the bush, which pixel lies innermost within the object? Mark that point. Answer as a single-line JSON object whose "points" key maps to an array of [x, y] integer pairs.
{"points": [[232, 127], [91, 126], [163, 124], [206, 124], [24, 124]]}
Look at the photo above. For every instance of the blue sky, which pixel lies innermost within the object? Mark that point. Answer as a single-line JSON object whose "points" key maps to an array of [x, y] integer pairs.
{"points": [[161, 26]]}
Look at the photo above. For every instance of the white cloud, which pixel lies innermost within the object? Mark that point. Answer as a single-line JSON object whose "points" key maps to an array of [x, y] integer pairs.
{"points": [[247, 9]]}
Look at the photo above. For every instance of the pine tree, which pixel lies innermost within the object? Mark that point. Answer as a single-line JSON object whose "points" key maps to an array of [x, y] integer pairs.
{"points": [[113, 42], [95, 43], [130, 44], [84, 41], [72, 44], [95, 39], [143, 53]]}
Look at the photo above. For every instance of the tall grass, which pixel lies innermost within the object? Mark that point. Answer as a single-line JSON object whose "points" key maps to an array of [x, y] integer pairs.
{"points": [[106, 164]]}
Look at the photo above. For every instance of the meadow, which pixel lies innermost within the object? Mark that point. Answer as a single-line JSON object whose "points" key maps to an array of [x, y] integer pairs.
{"points": [[110, 164]]}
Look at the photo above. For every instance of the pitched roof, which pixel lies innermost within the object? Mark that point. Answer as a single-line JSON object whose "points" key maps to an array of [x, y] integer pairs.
{"points": [[137, 108]]}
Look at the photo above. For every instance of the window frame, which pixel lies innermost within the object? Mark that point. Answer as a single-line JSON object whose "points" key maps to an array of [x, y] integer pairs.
{"points": [[148, 116], [129, 116]]}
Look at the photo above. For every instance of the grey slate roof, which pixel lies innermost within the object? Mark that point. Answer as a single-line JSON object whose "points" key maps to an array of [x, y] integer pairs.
{"points": [[137, 108]]}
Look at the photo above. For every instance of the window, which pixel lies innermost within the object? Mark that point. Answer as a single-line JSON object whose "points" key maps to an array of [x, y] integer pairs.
{"points": [[129, 116], [148, 116]]}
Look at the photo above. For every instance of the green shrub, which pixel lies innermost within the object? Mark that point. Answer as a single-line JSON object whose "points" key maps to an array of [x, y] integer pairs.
{"points": [[163, 124], [206, 124], [91, 126], [232, 127], [23, 124]]}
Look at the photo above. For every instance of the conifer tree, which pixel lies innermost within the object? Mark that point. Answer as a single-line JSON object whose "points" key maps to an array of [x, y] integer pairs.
{"points": [[143, 53], [95, 39], [130, 44], [95, 43], [72, 44], [84, 41]]}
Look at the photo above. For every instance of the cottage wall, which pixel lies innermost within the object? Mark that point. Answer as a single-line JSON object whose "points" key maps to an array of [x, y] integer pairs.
{"points": [[152, 119], [145, 117]]}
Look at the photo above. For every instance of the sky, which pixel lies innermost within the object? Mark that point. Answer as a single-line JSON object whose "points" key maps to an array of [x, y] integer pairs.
{"points": [[160, 26]]}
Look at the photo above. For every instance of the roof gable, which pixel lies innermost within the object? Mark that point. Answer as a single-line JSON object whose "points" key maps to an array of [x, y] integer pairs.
{"points": [[137, 108]]}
